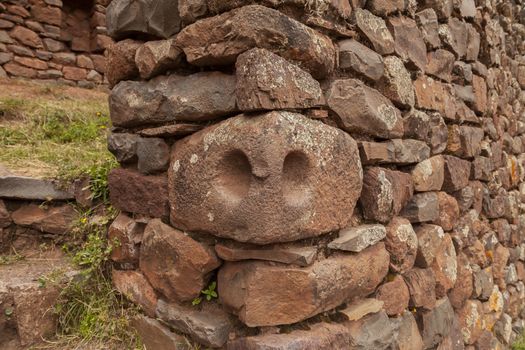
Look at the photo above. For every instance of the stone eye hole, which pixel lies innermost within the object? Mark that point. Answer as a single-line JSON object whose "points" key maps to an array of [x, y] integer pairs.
{"points": [[295, 177], [234, 175]]}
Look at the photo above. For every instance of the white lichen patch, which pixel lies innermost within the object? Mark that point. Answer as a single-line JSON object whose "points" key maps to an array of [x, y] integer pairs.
{"points": [[194, 158], [176, 166], [406, 234], [385, 196]]}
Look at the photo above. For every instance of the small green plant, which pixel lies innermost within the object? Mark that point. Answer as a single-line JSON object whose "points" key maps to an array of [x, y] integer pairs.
{"points": [[11, 258], [519, 344], [208, 293], [99, 179]]}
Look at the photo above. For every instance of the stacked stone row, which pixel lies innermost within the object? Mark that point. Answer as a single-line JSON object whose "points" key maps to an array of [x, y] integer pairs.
{"points": [[52, 41], [349, 173]]}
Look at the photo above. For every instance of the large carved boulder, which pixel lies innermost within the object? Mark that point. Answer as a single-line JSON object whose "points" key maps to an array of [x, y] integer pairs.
{"points": [[273, 177]]}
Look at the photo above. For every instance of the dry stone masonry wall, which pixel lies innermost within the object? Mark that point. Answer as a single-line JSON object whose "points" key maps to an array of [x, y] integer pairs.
{"points": [[54, 40], [349, 174]]}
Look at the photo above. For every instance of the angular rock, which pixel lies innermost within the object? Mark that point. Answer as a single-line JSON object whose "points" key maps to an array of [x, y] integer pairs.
{"points": [[385, 192], [126, 235], [302, 256], [320, 336], [175, 130], [409, 43], [5, 217], [245, 287], [457, 173], [158, 18], [421, 284], [480, 93], [437, 323], [375, 30], [429, 127], [26, 37], [408, 337], [464, 141], [396, 83], [55, 220], [371, 332], [454, 35], [123, 146], [428, 24], [197, 97], [363, 109], [400, 152], [265, 188], [156, 57], [19, 187], [500, 260], [135, 193], [266, 81], [463, 288], [153, 155], [422, 207], [175, 264], [121, 61], [357, 309], [401, 243], [440, 64], [470, 318], [429, 174], [360, 59], [210, 326], [430, 239], [134, 286], [445, 266], [448, 211], [20, 71], [383, 8], [434, 95], [473, 44], [355, 239], [395, 296], [503, 328], [219, 40], [154, 335]]}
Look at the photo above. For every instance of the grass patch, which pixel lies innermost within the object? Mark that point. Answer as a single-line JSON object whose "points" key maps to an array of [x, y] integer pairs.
{"points": [[519, 344], [54, 134]]}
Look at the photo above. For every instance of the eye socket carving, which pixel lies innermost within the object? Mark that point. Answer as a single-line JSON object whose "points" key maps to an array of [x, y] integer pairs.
{"points": [[234, 173], [296, 169]]}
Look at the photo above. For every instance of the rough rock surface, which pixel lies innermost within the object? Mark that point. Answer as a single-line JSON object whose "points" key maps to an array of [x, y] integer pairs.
{"points": [[57, 220], [375, 30], [18, 187], [355, 239], [401, 243], [156, 57], [265, 188], [360, 59]]}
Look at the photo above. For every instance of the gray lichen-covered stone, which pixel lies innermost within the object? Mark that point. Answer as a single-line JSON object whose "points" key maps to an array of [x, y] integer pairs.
{"points": [[375, 30], [266, 81], [123, 146], [401, 243], [219, 40], [422, 207], [371, 332], [360, 59], [159, 18], [153, 155], [429, 174], [196, 97], [20, 187], [284, 182], [427, 21], [355, 239], [397, 83], [436, 324], [362, 109]]}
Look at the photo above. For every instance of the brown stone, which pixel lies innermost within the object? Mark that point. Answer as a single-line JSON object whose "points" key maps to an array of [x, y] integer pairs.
{"points": [[434, 95], [473, 43], [18, 11], [135, 193], [422, 207], [74, 73], [457, 173], [5, 217], [47, 14], [175, 130], [320, 336], [53, 45], [430, 239], [197, 97], [383, 8], [470, 318], [428, 24], [245, 287], [428, 127], [375, 30], [421, 284], [448, 211], [176, 265], [437, 323], [158, 18], [56, 220], [397, 83], [463, 288], [84, 61], [480, 93], [31, 62], [155, 335], [266, 81], [125, 234], [409, 43], [360, 59], [464, 141], [408, 337], [358, 238], [136, 288], [302, 256], [219, 40], [19, 71], [501, 257], [121, 61], [363, 109], [445, 266], [385, 192], [400, 152], [153, 155], [395, 296], [454, 35], [156, 57], [401, 243], [26, 36], [236, 187], [357, 309], [371, 332], [440, 64], [429, 174]]}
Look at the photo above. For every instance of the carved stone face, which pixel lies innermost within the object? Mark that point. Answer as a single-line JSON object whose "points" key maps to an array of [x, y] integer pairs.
{"points": [[274, 177]]}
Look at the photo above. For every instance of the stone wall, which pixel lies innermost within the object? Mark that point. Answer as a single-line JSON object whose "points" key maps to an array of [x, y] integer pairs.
{"points": [[346, 173], [54, 40]]}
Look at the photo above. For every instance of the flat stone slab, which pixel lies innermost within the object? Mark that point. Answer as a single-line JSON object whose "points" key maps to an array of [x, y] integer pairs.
{"points": [[21, 187], [302, 256]]}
